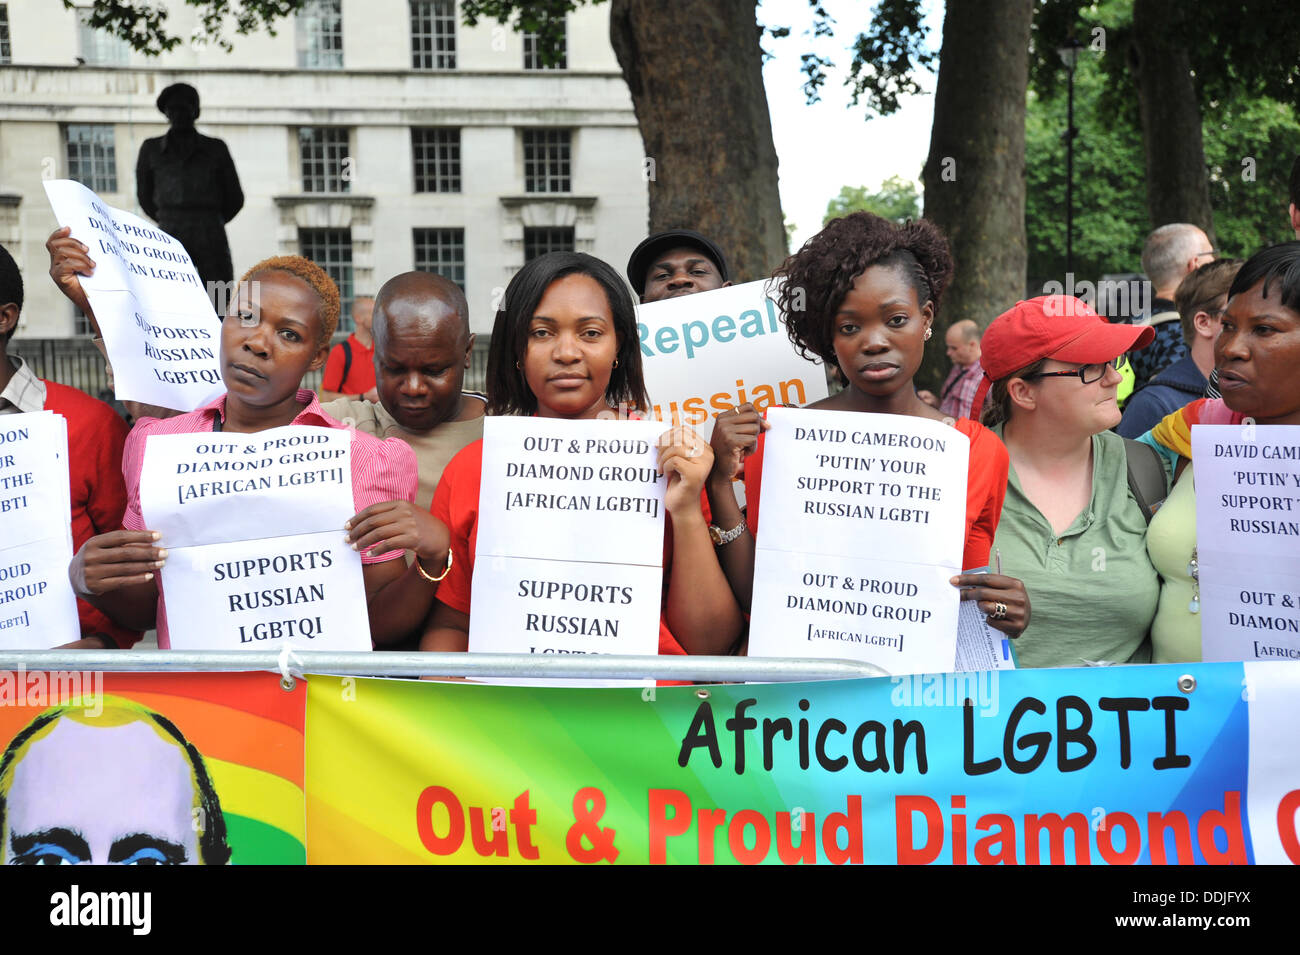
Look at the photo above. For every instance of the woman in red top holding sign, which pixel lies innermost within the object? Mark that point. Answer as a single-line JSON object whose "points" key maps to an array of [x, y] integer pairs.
{"points": [[565, 345], [862, 294]]}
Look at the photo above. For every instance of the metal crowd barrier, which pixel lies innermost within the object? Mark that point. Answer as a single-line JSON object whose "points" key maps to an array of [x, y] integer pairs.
{"points": [[700, 669]]}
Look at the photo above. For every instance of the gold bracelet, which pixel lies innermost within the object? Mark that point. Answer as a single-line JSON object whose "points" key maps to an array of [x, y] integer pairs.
{"points": [[438, 579]]}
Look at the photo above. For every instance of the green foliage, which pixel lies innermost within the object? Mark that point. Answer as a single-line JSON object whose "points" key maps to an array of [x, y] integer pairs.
{"points": [[1250, 137], [896, 200], [542, 17], [145, 26], [1110, 212]]}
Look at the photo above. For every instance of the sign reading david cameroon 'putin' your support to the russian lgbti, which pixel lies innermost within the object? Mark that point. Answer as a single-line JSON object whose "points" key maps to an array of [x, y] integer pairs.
{"points": [[861, 528]]}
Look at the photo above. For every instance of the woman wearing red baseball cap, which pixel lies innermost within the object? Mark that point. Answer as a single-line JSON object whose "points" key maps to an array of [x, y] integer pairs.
{"points": [[1070, 528], [861, 295]]}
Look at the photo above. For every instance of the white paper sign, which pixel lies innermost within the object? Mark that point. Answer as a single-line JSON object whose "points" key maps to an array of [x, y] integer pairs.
{"points": [[569, 553], [1248, 540], [707, 352], [298, 479], [37, 607], [862, 525], [215, 497], [305, 590], [161, 334]]}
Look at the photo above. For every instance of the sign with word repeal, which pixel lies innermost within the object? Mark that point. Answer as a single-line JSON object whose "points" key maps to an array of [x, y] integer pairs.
{"points": [[862, 526], [37, 607], [159, 329], [710, 351], [1248, 540], [569, 555], [253, 526]]}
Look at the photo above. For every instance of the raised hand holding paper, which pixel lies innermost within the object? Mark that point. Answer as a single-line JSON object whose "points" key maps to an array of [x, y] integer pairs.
{"points": [[155, 315], [570, 538], [217, 499], [37, 606], [860, 539], [1248, 540]]}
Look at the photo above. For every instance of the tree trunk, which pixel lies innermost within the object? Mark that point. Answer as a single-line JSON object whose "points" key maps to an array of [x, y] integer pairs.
{"points": [[1177, 184], [695, 74], [974, 177]]}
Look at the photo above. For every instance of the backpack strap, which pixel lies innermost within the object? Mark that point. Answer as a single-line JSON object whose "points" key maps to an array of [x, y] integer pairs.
{"points": [[347, 362], [1146, 477]]}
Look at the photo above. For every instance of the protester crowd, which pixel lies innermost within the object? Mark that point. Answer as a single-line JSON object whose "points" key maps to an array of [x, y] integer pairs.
{"points": [[1053, 475]]}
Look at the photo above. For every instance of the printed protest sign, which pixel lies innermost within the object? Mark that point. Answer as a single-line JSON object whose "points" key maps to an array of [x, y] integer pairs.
{"points": [[708, 352], [160, 332], [215, 497], [861, 528], [569, 556], [1248, 540], [37, 607]]}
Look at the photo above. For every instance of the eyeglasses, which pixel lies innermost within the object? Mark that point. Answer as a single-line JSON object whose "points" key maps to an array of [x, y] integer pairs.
{"points": [[1210, 252], [1086, 373]]}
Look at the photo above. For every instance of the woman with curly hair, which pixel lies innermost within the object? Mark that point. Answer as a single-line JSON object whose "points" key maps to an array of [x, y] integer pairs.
{"points": [[277, 329], [862, 295]]}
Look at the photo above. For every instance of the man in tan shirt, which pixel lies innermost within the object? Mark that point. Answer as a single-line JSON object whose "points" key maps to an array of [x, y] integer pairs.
{"points": [[422, 347]]}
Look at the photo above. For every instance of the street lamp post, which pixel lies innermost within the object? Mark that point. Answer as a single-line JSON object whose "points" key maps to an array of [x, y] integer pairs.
{"points": [[1070, 57]]}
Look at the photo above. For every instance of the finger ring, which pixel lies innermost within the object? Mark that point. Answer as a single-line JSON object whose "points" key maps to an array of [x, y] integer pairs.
{"points": [[999, 611]]}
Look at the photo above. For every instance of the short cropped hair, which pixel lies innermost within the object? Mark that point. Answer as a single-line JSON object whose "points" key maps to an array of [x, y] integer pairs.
{"points": [[508, 393], [214, 848], [1201, 289], [11, 284], [1166, 251], [311, 273], [819, 275], [1278, 264]]}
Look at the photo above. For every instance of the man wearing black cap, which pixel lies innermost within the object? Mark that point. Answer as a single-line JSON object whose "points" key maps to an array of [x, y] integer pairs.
{"points": [[186, 182], [680, 262]]}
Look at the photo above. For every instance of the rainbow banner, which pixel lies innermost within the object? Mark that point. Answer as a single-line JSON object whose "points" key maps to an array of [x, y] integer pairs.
{"points": [[153, 769], [1118, 765]]}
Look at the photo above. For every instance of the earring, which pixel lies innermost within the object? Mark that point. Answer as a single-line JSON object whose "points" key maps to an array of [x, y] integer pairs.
{"points": [[928, 333], [615, 362], [518, 367]]}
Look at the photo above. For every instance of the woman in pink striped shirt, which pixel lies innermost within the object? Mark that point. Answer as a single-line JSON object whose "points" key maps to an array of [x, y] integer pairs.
{"points": [[269, 341]]}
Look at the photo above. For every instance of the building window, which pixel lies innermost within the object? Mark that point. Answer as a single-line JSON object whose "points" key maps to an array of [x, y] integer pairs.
{"points": [[533, 56], [546, 160], [331, 249], [80, 323], [320, 35], [98, 47], [433, 34], [441, 251], [323, 157], [538, 240], [437, 159], [92, 161], [4, 33]]}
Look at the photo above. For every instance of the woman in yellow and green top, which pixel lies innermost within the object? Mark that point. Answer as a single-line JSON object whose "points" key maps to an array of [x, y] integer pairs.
{"points": [[1257, 356], [1070, 528]]}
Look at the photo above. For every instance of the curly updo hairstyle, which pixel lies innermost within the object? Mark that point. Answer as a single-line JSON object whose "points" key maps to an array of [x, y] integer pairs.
{"points": [[819, 275]]}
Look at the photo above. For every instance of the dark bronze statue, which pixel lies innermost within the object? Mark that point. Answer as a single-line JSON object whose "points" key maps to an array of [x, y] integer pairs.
{"points": [[186, 182]]}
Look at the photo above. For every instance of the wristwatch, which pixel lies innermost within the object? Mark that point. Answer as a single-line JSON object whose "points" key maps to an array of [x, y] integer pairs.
{"points": [[721, 537]]}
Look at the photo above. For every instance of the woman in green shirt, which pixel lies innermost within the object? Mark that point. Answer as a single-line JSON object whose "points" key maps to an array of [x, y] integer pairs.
{"points": [[1070, 529]]}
